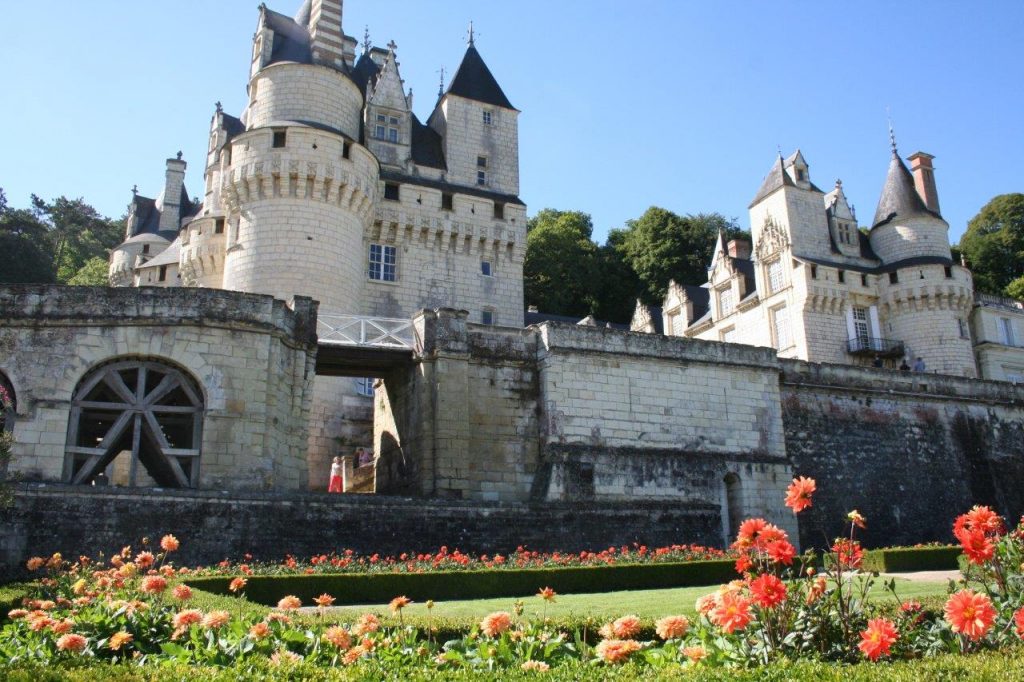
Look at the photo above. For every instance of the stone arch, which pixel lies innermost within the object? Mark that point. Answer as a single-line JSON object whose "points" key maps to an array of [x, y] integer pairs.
{"points": [[732, 503], [135, 422]]}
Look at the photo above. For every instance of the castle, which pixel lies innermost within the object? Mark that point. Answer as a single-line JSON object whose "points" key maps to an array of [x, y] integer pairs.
{"points": [[329, 186], [211, 385]]}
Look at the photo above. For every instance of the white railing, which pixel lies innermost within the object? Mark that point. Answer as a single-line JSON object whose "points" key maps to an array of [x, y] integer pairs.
{"points": [[375, 332], [1002, 301]]}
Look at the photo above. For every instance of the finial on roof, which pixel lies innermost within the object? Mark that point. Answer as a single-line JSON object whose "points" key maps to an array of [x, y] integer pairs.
{"points": [[179, 156], [392, 46], [440, 90], [839, 183], [135, 190], [779, 148], [220, 108], [366, 39], [471, 35], [892, 133]]}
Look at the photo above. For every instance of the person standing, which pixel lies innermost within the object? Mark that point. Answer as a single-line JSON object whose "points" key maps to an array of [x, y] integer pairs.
{"points": [[919, 365], [335, 485]]}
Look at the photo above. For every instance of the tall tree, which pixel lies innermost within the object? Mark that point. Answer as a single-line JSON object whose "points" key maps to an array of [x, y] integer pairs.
{"points": [[617, 286], [92, 274], [994, 244], [661, 245], [561, 263], [77, 233], [24, 247]]}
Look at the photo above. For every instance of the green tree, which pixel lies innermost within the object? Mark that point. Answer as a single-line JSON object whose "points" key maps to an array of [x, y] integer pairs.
{"points": [[661, 245], [994, 244], [92, 274], [24, 247], [77, 233], [560, 267], [1015, 289]]}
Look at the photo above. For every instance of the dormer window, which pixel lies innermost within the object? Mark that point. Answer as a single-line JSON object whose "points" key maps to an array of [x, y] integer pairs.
{"points": [[801, 175], [386, 128], [845, 233], [726, 301], [776, 278]]}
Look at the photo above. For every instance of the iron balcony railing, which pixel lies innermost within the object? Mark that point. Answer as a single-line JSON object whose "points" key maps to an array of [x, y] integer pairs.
{"points": [[870, 345], [375, 332]]}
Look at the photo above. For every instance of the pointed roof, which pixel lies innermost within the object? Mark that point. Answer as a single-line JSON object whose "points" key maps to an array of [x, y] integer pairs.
{"points": [[777, 177], [899, 196], [475, 81]]}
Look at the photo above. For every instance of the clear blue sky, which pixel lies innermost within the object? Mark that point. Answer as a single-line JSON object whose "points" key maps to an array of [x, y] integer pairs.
{"points": [[625, 104]]}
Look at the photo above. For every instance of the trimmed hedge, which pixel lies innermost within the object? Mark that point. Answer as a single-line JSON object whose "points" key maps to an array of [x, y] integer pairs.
{"points": [[375, 588], [905, 559]]}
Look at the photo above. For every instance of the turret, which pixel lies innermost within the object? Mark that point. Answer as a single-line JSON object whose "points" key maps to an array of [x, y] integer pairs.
{"points": [[904, 226], [388, 122], [480, 128]]}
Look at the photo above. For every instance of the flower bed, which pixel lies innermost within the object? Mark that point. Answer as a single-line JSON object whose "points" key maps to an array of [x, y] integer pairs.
{"points": [[784, 612], [369, 588]]}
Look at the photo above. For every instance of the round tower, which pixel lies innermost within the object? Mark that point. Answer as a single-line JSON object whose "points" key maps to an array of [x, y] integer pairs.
{"points": [[904, 226], [298, 191]]}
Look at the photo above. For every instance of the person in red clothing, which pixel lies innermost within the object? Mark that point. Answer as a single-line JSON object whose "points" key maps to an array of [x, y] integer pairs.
{"points": [[335, 484]]}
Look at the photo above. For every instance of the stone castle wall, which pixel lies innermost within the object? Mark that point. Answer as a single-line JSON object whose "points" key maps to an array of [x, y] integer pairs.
{"points": [[251, 356]]}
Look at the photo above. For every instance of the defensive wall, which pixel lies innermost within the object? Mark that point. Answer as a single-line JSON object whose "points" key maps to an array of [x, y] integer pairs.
{"points": [[555, 436]]}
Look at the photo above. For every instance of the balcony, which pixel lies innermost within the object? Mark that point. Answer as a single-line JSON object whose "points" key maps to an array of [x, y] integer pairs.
{"points": [[871, 346]]}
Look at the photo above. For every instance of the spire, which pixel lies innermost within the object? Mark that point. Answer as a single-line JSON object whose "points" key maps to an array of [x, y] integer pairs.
{"points": [[473, 80], [777, 177], [899, 196]]}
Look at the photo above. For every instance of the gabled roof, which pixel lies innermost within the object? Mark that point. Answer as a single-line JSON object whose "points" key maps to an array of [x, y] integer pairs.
{"points": [[777, 177], [899, 196], [232, 125], [700, 297], [291, 40], [475, 81]]}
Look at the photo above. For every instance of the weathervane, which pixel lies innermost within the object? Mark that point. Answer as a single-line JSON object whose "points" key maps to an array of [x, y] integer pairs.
{"points": [[366, 39], [471, 34], [892, 133], [440, 90]]}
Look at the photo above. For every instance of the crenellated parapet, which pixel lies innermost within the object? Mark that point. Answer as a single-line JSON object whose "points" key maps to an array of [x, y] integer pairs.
{"points": [[202, 252], [928, 288]]}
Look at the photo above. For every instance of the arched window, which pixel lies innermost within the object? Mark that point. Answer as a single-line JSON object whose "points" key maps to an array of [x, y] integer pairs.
{"points": [[135, 423], [8, 403], [733, 506]]}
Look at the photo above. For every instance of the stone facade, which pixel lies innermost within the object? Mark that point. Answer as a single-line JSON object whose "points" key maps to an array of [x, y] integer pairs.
{"points": [[997, 327], [251, 358]]}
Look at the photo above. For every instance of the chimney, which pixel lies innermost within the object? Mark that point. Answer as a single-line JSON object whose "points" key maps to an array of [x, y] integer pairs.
{"points": [[924, 179], [738, 248], [326, 39], [170, 215]]}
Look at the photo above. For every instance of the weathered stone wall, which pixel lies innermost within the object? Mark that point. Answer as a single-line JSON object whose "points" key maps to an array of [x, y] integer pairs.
{"points": [[909, 451], [252, 357], [212, 526]]}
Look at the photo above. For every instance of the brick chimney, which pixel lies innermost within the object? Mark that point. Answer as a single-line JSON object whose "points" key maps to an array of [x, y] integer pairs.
{"points": [[924, 179], [738, 248], [325, 35]]}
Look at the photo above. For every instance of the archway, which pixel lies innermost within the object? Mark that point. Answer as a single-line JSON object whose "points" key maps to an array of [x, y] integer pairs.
{"points": [[131, 413]]}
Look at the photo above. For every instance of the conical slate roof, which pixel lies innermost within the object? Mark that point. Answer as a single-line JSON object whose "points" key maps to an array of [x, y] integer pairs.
{"points": [[777, 177], [475, 81], [899, 196]]}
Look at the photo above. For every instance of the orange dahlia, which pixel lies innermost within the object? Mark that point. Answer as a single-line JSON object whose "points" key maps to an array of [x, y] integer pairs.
{"points": [[182, 592], [879, 637], [616, 650], [626, 627], [767, 591], [398, 603], [118, 640], [72, 642], [547, 594], [324, 600], [339, 637], [216, 619], [969, 613], [495, 623], [798, 495], [183, 619], [732, 612], [672, 627], [154, 584], [238, 584], [366, 624], [169, 543], [289, 603], [1018, 621], [259, 630]]}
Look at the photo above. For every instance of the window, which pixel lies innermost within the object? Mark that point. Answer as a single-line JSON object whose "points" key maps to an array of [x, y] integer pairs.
{"points": [[488, 118], [860, 323], [481, 177], [145, 248], [964, 332], [863, 280], [726, 303], [842, 276], [1006, 331], [894, 277], [447, 201], [800, 175], [346, 150], [729, 335], [1015, 378], [364, 387], [386, 128], [393, 135], [391, 191], [481, 162], [775, 276], [499, 210], [780, 320], [218, 226], [485, 268], [487, 317], [845, 233], [814, 272], [280, 139], [949, 272], [382, 262], [162, 277]]}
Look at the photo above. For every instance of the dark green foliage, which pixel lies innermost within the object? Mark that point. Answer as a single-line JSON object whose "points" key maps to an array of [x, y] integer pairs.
{"points": [[561, 263], [660, 246], [905, 559], [994, 244], [382, 587]]}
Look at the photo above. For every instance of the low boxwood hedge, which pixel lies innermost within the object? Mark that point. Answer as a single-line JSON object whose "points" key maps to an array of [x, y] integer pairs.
{"points": [[375, 588], [905, 559], [10, 598]]}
